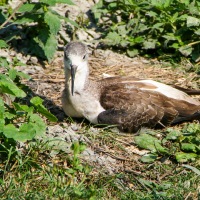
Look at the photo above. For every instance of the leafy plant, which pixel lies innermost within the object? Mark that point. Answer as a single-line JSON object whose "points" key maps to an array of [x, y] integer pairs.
{"points": [[18, 122], [183, 145], [151, 26], [37, 24]]}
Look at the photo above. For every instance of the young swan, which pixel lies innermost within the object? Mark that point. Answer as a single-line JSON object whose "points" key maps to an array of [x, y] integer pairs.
{"points": [[127, 102]]}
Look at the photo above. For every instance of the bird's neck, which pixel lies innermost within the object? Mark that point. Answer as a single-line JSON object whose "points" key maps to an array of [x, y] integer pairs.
{"points": [[80, 82]]}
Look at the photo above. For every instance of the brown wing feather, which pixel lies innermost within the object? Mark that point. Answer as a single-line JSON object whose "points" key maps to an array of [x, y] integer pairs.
{"points": [[131, 108]]}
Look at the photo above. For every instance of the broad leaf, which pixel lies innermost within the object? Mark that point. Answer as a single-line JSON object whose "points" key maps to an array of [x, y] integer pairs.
{"points": [[37, 102], [23, 75], [132, 52], [148, 158], [53, 22], [26, 132], [197, 31], [192, 21], [12, 74], [149, 44], [172, 134], [48, 43], [28, 7], [186, 50], [149, 142], [9, 87], [10, 131], [9, 115], [19, 107], [38, 125], [2, 110], [3, 44], [185, 157], [49, 2], [188, 147], [69, 2], [71, 22], [113, 38]]}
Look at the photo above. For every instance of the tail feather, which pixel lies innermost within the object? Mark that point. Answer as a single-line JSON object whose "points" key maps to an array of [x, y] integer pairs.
{"points": [[179, 119], [187, 91]]}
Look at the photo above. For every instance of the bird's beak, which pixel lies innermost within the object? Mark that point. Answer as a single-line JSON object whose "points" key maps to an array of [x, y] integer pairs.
{"points": [[73, 72]]}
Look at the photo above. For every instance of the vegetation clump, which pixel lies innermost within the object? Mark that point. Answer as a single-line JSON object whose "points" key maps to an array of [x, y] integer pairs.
{"points": [[161, 28]]}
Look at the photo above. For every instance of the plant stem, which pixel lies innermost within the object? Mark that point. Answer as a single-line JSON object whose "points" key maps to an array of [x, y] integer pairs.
{"points": [[13, 14]]}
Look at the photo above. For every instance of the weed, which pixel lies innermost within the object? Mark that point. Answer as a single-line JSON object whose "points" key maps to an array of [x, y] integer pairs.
{"points": [[151, 27], [40, 25]]}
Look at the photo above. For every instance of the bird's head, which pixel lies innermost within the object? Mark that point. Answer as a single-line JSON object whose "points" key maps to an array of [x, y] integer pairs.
{"points": [[75, 61]]}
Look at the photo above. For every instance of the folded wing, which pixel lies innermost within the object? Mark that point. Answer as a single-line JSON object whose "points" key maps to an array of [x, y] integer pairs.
{"points": [[131, 104]]}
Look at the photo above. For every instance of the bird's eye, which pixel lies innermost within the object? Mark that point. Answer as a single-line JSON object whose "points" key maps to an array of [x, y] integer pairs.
{"points": [[84, 57]]}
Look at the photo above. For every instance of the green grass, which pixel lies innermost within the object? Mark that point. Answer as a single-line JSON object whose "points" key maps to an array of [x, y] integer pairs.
{"points": [[35, 174]]}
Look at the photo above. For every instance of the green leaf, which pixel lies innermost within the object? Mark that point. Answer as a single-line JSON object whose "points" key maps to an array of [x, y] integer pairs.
{"points": [[138, 40], [149, 44], [28, 7], [50, 47], [28, 18], [194, 169], [49, 2], [192, 21], [113, 38], [69, 2], [3, 44], [26, 132], [132, 52], [148, 158], [3, 62], [24, 20], [185, 157], [186, 50], [197, 32], [9, 115], [19, 107], [192, 128], [122, 30], [188, 147], [158, 26], [194, 8], [23, 75], [172, 134], [2, 117], [47, 42], [12, 74], [9, 87], [10, 131], [170, 37], [71, 22], [149, 142], [53, 22], [38, 124], [37, 102], [151, 14], [175, 45]]}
